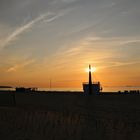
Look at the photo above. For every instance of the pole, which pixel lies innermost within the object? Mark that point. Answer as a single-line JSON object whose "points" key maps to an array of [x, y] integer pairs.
{"points": [[50, 84], [90, 80]]}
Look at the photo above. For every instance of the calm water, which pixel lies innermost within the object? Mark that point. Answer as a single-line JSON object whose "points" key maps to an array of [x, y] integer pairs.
{"points": [[105, 89]]}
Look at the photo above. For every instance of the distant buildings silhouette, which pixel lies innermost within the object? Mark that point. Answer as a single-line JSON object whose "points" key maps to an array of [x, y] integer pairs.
{"points": [[23, 89]]}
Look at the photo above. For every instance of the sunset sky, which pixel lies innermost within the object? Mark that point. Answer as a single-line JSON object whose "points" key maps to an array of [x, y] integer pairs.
{"points": [[57, 39]]}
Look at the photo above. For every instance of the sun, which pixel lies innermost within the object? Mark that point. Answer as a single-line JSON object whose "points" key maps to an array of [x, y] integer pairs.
{"points": [[93, 69]]}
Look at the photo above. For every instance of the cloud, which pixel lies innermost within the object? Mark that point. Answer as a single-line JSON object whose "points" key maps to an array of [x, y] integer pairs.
{"points": [[109, 5], [53, 17], [113, 64], [14, 35], [95, 49], [68, 1], [19, 66], [117, 41], [129, 41], [64, 1], [20, 30]]}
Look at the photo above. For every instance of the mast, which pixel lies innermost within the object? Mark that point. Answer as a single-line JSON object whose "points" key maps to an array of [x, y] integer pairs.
{"points": [[50, 84], [90, 80]]}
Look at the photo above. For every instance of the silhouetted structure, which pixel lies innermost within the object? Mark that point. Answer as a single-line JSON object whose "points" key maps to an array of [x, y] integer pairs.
{"points": [[90, 80], [23, 89], [91, 87]]}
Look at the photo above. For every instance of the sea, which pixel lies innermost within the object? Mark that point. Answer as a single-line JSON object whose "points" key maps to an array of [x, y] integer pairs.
{"points": [[105, 89]]}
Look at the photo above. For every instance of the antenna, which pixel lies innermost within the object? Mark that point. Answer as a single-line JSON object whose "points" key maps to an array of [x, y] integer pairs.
{"points": [[50, 83], [90, 80]]}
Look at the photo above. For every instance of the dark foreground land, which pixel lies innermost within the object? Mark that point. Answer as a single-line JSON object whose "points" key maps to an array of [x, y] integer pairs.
{"points": [[69, 116]]}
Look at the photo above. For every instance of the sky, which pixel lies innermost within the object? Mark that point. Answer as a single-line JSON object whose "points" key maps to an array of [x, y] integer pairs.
{"points": [[43, 40]]}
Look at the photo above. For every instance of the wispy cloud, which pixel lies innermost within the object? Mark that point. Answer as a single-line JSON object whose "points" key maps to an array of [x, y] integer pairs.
{"points": [[20, 30], [63, 1], [15, 34], [68, 1], [54, 17], [19, 66], [113, 64], [109, 5], [118, 41], [95, 50], [129, 41]]}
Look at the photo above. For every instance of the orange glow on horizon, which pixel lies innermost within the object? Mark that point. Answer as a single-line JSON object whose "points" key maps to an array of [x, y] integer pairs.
{"points": [[72, 76]]}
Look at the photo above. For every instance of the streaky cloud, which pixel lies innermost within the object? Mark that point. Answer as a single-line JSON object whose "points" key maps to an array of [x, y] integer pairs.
{"points": [[18, 66], [53, 17], [68, 1], [119, 64], [14, 35]]}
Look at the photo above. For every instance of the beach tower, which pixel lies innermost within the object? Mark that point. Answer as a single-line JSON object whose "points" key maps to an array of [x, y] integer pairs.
{"points": [[91, 87]]}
